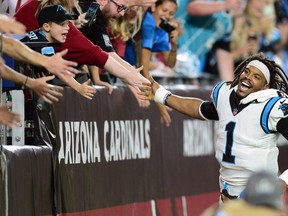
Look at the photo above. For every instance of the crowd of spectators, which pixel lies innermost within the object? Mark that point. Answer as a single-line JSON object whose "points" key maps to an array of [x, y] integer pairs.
{"points": [[208, 38], [220, 34]]}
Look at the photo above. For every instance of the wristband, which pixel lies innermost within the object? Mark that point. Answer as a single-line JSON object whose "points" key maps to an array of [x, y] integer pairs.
{"points": [[25, 82], [284, 176], [165, 100], [161, 95]]}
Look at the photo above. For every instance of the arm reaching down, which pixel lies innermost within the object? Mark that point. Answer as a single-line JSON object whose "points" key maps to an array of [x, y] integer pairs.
{"points": [[131, 77], [187, 105], [83, 89], [133, 89]]}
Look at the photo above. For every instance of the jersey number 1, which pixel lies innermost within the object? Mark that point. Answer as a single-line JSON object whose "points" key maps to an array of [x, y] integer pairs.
{"points": [[227, 155]]}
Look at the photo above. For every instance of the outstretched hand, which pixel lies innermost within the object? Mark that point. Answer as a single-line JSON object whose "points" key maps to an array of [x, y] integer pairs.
{"points": [[148, 93], [49, 93], [86, 90], [148, 90], [60, 67], [135, 78], [10, 119], [142, 103], [105, 84]]}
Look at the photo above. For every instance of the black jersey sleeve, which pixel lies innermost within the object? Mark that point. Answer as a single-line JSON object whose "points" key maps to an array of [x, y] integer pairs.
{"points": [[282, 127], [209, 111]]}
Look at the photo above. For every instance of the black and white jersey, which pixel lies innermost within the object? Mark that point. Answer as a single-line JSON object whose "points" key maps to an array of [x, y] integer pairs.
{"points": [[246, 134]]}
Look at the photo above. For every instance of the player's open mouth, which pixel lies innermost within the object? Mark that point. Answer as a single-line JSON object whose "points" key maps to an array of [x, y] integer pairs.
{"points": [[244, 86]]}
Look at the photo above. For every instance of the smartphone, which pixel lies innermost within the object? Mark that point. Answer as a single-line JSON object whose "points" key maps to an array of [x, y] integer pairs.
{"points": [[91, 13], [166, 26]]}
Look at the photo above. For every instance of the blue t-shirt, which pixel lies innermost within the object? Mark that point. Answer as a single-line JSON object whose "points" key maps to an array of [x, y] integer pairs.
{"points": [[153, 38], [130, 55]]}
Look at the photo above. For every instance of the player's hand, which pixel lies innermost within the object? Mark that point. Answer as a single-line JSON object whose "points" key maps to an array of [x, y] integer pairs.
{"points": [[148, 90], [145, 92], [143, 103], [164, 114]]}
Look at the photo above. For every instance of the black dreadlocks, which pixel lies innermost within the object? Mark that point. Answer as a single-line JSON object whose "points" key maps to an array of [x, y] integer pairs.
{"points": [[278, 78]]}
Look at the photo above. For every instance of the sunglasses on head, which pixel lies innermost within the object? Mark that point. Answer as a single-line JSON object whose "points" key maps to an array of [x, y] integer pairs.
{"points": [[120, 7]]}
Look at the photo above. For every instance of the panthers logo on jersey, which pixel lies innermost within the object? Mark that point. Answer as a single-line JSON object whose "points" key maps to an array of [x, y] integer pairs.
{"points": [[32, 36], [284, 107]]}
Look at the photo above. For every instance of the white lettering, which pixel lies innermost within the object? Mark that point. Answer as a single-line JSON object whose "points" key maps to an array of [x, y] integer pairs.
{"points": [[106, 130], [68, 143], [147, 138], [123, 140], [83, 142], [61, 150], [97, 153], [128, 140], [79, 142], [112, 143], [90, 157], [76, 154]]}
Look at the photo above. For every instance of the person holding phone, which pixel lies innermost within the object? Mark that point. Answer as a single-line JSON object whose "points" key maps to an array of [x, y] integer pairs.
{"points": [[97, 31], [91, 14], [154, 39]]}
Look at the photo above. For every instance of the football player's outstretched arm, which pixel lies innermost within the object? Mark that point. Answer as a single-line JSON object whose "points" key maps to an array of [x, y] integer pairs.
{"points": [[186, 105]]}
